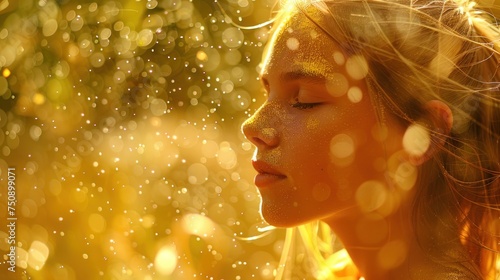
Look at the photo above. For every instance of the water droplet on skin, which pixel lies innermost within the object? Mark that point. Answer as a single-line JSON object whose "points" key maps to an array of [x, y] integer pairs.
{"points": [[357, 67], [339, 58], [392, 254], [292, 44], [337, 84], [371, 195], [342, 149], [355, 94]]}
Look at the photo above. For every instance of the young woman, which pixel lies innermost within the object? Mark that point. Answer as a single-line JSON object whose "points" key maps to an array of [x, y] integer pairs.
{"points": [[382, 120]]}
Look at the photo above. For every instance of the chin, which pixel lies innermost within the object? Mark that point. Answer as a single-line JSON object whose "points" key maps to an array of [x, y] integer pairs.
{"points": [[279, 217]]}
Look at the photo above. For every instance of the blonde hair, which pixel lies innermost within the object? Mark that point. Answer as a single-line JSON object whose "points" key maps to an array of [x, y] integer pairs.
{"points": [[417, 51]]}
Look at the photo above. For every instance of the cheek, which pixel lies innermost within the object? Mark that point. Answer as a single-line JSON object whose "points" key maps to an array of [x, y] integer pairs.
{"points": [[334, 139], [312, 159], [342, 149], [313, 145]]}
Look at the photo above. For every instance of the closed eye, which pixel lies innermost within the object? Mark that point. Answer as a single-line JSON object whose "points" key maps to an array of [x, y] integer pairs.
{"points": [[308, 97], [304, 106]]}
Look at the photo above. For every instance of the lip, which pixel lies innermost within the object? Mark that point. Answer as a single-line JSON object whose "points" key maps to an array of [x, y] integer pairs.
{"points": [[267, 174]]}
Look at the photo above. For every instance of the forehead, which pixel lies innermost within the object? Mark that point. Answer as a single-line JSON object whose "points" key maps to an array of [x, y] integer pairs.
{"points": [[299, 44]]}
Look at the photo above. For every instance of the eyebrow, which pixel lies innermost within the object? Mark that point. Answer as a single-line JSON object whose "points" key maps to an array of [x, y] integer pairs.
{"points": [[309, 77], [302, 75]]}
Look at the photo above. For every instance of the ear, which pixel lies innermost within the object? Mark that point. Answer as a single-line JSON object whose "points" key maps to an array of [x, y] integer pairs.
{"points": [[440, 122]]}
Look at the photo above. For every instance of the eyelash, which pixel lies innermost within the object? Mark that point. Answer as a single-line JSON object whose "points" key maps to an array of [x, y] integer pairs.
{"points": [[304, 106]]}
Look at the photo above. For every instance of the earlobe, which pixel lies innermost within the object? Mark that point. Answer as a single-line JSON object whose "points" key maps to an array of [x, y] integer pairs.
{"points": [[440, 122], [441, 116]]}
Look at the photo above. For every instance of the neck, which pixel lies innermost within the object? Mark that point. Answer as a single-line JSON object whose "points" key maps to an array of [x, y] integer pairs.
{"points": [[387, 247]]}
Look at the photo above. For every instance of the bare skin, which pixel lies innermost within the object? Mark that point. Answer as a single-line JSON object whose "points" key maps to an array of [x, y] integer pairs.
{"points": [[323, 154]]}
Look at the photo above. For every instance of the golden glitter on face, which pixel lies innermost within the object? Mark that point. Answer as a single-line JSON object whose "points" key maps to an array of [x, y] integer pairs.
{"points": [[269, 133], [312, 123], [306, 45], [313, 133]]}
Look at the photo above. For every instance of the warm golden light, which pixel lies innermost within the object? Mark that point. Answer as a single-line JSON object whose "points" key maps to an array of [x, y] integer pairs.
{"points": [[166, 260], [6, 72], [122, 121]]}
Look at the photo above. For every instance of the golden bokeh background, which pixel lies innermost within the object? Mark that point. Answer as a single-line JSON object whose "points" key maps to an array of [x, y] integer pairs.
{"points": [[122, 121]]}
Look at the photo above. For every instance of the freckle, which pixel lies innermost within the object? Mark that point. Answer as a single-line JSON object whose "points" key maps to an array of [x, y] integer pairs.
{"points": [[292, 44], [339, 58], [357, 67], [337, 84], [355, 94]]}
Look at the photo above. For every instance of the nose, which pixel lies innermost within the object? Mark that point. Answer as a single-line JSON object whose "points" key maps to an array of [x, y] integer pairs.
{"points": [[260, 129]]}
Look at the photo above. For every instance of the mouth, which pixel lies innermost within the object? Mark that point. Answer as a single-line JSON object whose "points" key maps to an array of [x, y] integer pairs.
{"points": [[267, 174]]}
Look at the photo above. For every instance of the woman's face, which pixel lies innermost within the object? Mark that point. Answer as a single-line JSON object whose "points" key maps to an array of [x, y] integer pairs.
{"points": [[319, 149]]}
